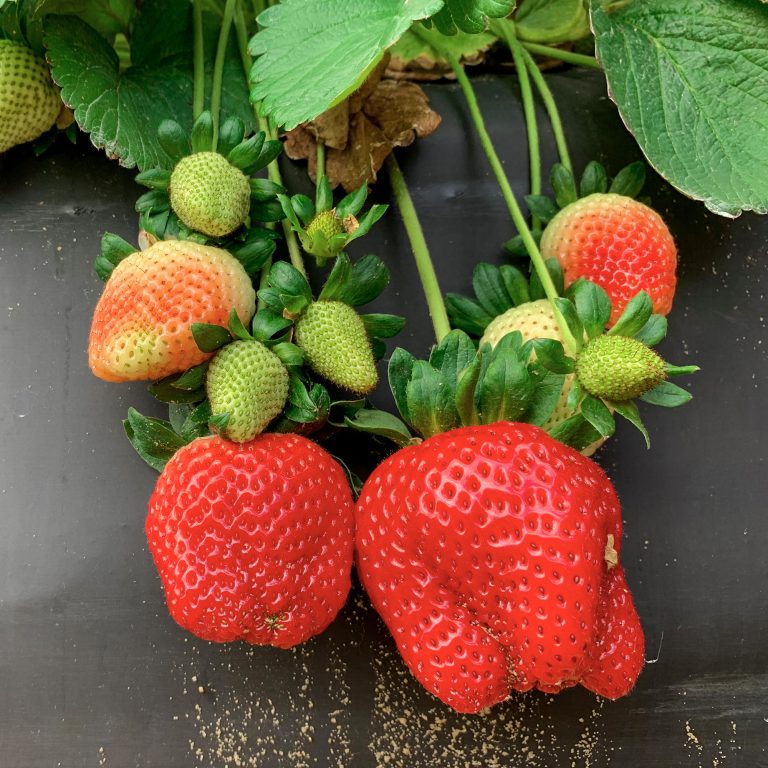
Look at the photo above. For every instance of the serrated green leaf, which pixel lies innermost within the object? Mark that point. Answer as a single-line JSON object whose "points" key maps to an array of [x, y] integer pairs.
{"points": [[653, 331], [596, 412], [367, 221], [289, 354], [263, 190], [470, 15], [173, 140], [352, 204], [253, 252], [349, 36], [303, 207], [551, 21], [370, 276], [536, 289], [266, 324], [490, 289], [209, 337], [154, 178], [154, 201], [629, 180], [563, 185], [634, 317], [107, 17], [692, 86], [193, 378], [542, 207], [245, 155], [630, 412], [429, 46], [592, 306], [379, 326], [515, 284], [165, 391], [292, 287], [122, 110], [154, 440], [505, 389], [236, 328], [667, 395], [573, 321], [594, 180], [431, 402], [576, 394], [399, 373], [381, 423], [113, 250], [466, 386]]}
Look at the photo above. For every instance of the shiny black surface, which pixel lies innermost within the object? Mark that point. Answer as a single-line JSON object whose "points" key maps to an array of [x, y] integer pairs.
{"points": [[93, 671]]}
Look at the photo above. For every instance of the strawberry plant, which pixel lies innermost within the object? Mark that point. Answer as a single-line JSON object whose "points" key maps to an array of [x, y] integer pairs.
{"points": [[490, 546]]}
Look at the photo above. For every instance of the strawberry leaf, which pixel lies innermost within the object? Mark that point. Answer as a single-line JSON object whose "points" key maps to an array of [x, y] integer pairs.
{"points": [[399, 372], [629, 180], [592, 306], [113, 250], [551, 21], [653, 331], [122, 109], [596, 412], [452, 355], [209, 337], [380, 326], [490, 289], [505, 388], [634, 317], [340, 42], [431, 401], [466, 314], [471, 15], [692, 86], [630, 412], [667, 395], [575, 431], [594, 180], [545, 396], [379, 423], [154, 440]]}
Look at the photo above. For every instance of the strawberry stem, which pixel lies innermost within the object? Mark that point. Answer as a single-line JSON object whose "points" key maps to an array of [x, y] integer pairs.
{"points": [[577, 59], [218, 67], [551, 107], [273, 169], [532, 128], [320, 170], [509, 198], [198, 99], [420, 250]]}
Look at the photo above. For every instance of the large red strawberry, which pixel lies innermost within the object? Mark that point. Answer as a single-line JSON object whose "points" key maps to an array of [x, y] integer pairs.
{"points": [[491, 553], [253, 541], [141, 324], [620, 244]]}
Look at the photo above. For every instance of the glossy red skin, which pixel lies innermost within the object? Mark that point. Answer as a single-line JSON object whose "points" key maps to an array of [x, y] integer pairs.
{"points": [[618, 243], [253, 541], [483, 550]]}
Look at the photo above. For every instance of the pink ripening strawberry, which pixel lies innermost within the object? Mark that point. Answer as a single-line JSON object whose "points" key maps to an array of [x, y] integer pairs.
{"points": [[492, 554]]}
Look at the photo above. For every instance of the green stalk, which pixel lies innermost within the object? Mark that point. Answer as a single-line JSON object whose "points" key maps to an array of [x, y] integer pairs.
{"points": [[273, 169], [218, 67], [509, 198], [578, 59], [198, 100], [420, 250], [320, 169], [529, 109], [551, 107]]}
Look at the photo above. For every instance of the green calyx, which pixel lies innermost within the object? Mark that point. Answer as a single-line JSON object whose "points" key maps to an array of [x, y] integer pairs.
{"points": [[209, 194], [335, 343], [324, 231], [250, 383], [619, 368]]}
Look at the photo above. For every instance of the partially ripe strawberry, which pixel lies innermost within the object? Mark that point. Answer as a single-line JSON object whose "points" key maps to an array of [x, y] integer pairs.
{"points": [[336, 345], [492, 555], [620, 244], [253, 541], [619, 368], [250, 383], [141, 324], [29, 102], [209, 194], [536, 320]]}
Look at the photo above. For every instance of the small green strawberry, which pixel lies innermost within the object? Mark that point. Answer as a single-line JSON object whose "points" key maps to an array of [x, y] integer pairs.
{"points": [[29, 102], [250, 383], [209, 194], [336, 345], [619, 368]]}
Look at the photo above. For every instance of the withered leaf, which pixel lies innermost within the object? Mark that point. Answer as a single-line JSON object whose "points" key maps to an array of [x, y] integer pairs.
{"points": [[401, 109]]}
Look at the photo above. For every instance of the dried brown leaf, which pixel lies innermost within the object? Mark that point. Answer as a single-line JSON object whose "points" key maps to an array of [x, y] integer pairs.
{"points": [[401, 109]]}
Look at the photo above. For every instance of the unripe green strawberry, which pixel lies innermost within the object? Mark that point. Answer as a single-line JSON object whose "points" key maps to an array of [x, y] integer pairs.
{"points": [[209, 194], [29, 102], [250, 383], [325, 223], [619, 368], [336, 345]]}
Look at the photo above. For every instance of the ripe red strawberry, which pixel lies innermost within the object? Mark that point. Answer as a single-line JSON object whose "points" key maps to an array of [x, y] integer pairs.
{"points": [[253, 541], [141, 324], [491, 553], [618, 243]]}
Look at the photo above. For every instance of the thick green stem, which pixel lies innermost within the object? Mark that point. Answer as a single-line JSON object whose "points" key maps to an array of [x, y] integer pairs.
{"points": [[551, 106], [273, 169], [578, 59], [509, 198], [420, 250], [320, 170], [198, 100], [218, 66], [529, 109]]}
